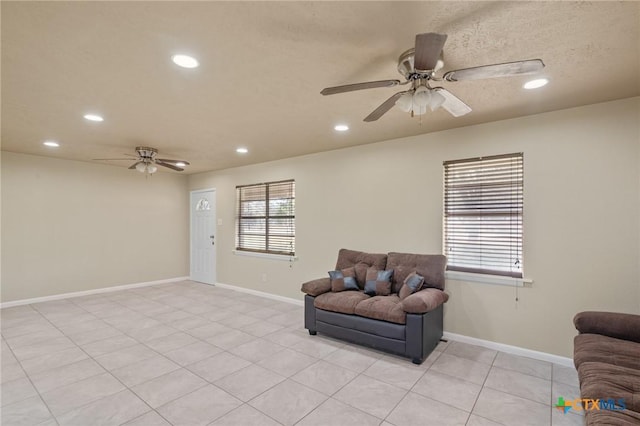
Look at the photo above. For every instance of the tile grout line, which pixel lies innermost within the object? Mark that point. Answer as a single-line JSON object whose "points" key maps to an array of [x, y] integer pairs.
{"points": [[551, 397], [93, 359], [27, 374], [77, 381], [407, 392], [213, 384], [484, 382], [448, 375], [153, 314], [32, 384], [160, 354]]}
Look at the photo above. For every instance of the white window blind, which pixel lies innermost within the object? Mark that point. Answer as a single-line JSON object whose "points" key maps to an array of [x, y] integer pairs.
{"points": [[266, 220], [483, 209]]}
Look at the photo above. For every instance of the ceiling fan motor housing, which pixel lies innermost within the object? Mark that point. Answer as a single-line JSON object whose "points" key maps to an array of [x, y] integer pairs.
{"points": [[406, 66], [146, 154]]}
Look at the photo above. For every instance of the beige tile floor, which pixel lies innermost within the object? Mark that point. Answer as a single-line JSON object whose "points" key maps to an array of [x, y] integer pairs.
{"points": [[192, 354]]}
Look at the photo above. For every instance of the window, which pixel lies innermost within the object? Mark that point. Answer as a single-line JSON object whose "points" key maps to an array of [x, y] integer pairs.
{"points": [[266, 219], [483, 207], [202, 205]]}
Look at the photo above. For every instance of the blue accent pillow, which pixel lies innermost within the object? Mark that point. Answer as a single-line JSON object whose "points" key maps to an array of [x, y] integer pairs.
{"points": [[343, 280], [378, 283]]}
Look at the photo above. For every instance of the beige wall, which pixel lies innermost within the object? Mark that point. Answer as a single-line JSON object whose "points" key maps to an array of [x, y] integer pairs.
{"points": [[581, 227], [72, 226]]}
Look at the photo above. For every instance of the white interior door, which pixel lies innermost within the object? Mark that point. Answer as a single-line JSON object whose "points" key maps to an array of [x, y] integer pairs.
{"points": [[203, 236]]}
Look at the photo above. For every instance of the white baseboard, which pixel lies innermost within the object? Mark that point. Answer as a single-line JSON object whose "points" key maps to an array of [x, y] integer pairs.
{"points": [[514, 350], [262, 294], [88, 292]]}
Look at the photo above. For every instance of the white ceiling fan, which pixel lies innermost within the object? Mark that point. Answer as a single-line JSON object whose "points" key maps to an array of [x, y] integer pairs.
{"points": [[420, 66], [147, 161]]}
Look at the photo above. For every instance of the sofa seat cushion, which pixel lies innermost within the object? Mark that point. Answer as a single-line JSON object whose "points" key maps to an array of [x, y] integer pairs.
{"points": [[599, 380], [385, 308], [596, 347], [609, 417], [344, 302]]}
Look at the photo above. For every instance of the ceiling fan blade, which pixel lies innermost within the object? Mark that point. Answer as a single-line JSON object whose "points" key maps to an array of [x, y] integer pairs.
{"points": [[166, 160], [428, 49], [453, 104], [170, 166], [359, 86], [495, 70], [135, 164], [386, 106]]}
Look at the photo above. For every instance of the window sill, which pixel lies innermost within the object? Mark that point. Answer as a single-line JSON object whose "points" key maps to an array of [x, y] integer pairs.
{"points": [[488, 279], [281, 257]]}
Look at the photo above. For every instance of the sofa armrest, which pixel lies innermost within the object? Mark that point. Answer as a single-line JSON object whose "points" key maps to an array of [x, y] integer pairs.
{"points": [[316, 287], [424, 301], [611, 324]]}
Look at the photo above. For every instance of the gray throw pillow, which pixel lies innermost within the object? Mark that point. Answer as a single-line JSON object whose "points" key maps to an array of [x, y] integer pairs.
{"points": [[411, 284], [378, 282], [343, 280]]}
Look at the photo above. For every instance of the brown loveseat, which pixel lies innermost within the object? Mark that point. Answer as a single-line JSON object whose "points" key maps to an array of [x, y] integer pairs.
{"points": [[607, 356], [404, 321]]}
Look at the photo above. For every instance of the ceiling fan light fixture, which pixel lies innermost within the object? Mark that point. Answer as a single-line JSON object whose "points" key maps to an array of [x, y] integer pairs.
{"points": [[185, 61], [141, 167], [535, 84], [152, 168], [422, 97], [405, 102], [419, 110]]}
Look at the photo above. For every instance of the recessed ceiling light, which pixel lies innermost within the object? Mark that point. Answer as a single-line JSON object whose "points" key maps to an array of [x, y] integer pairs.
{"points": [[185, 61], [51, 144], [341, 127], [242, 150], [93, 117], [180, 164], [534, 84]]}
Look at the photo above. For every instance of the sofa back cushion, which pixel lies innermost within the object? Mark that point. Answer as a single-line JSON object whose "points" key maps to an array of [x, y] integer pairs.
{"points": [[430, 266], [361, 261]]}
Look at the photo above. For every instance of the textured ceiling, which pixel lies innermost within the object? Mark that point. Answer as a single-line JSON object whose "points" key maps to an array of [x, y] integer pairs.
{"points": [[263, 65]]}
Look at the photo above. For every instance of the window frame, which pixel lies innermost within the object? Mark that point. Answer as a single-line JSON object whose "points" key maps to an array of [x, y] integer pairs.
{"points": [[267, 217], [478, 205]]}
